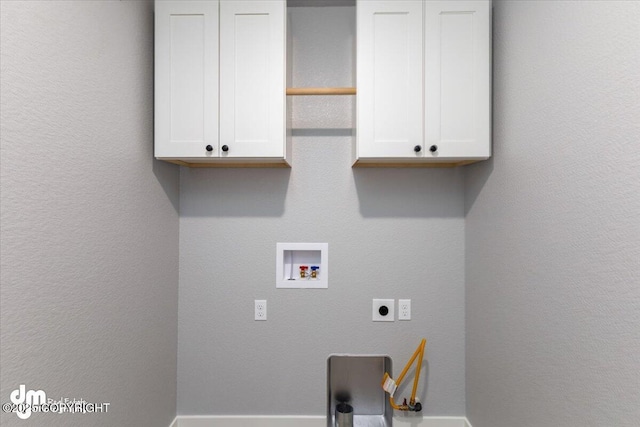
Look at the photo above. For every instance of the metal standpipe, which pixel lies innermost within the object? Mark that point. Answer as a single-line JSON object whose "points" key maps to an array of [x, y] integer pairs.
{"points": [[344, 415]]}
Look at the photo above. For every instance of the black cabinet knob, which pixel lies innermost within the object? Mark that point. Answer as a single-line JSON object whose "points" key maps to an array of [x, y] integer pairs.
{"points": [[433, 148], [417, 148], [209, 148], [225, 148]]}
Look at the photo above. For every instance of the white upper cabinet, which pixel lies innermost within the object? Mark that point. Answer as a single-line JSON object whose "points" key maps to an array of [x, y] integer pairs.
{"points": [[424, 82], [220, 83]]}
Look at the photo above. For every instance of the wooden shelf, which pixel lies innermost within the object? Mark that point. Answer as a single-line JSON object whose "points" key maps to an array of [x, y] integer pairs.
{"points": [[398, 163], [229, 163], [297, 91]]}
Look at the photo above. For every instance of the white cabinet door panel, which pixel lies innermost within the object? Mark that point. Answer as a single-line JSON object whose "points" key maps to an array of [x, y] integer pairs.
{"points": [[390, 88], [186, 88], [457, 79], [252, 78]]}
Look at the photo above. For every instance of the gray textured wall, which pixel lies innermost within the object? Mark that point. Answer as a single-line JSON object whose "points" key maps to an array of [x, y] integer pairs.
{"points": [[392, 233], [552, 230], [89, 266]]}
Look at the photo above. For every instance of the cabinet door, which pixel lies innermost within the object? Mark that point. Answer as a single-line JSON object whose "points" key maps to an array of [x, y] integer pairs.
{"points": [[389, 78], [458, 79], [252, 78], [186, 78]]}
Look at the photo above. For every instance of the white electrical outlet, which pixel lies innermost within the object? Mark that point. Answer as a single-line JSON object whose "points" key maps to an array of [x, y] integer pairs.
{"points": [[383, 310], [260, 309], [404, 309]]}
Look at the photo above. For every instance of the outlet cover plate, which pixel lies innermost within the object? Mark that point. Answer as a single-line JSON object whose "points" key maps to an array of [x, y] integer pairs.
{"points": [[377, 316], [404, 309], [260, 312]]}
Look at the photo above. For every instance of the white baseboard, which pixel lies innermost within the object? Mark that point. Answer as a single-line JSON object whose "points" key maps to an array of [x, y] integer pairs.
{"points": [[303, 421], [251, 421], [411, 421]]}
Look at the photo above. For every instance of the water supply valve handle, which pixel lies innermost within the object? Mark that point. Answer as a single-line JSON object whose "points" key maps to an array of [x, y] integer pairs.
{"points": [[303, 271]]}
